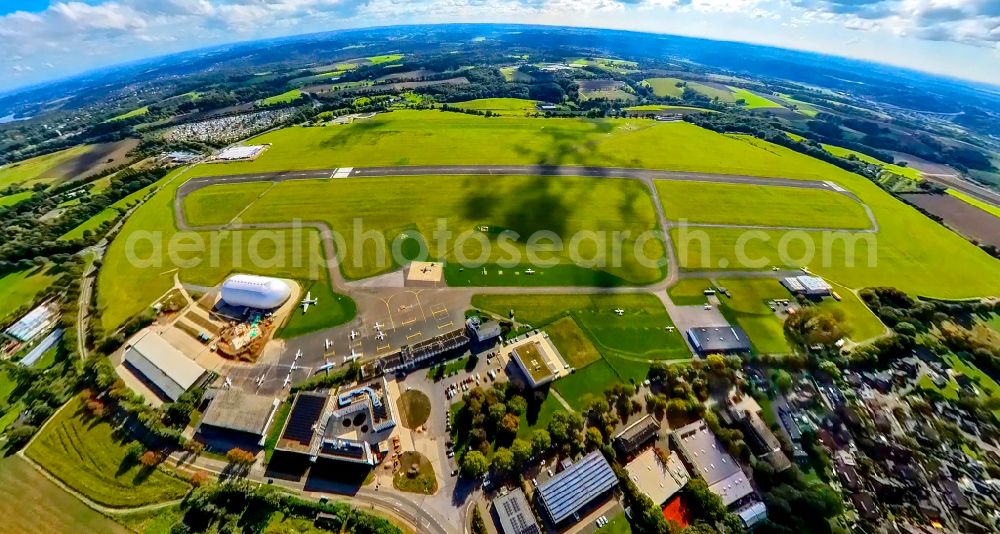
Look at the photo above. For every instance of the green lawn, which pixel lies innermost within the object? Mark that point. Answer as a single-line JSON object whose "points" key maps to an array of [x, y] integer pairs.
{"points": [[661, 107], [906, 172], [724, 95], [29, 502], [689, 292], [503, 106], [616, 525], [416, 205], [753, 100], [805, 108], [20, 288], [41, 169], [88, 456], [665, 86], [572, 343], [415, 408], [713, 203], [284, 98], [586, 383], [138, 112], [748, 309], [219, 204], [423, 482], [92, 224], [387, 58], [795, 137], [541, 419], [158, 521], [10, 200], [988, 208], [332, 309], [274, 433], [861, 323], [138, 267]]}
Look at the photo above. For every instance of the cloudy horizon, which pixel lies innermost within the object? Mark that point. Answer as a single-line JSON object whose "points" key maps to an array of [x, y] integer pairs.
{"points": [[46, 41]]}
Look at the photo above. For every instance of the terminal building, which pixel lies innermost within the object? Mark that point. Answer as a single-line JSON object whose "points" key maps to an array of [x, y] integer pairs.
{"points": [[719, 340], [537, 358], [258, 292], [167, 370], [333, 429], [563, 496], [704, 455]]}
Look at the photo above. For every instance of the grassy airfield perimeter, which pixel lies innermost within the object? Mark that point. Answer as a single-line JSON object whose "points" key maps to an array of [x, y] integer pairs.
{"points": [[913, 253]]}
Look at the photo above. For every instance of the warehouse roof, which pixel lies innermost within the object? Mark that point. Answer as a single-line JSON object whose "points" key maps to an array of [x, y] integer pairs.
{"points": [[707, 457], [566, 493], [163, 365], [34, 322], [719, 339], [234, 410]]}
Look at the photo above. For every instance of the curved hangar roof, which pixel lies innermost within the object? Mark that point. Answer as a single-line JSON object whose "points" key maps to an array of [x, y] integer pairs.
{"points": [[258, 292]]}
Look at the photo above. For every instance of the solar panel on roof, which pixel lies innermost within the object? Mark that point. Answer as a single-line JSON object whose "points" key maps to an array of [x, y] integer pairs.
{"points": [[567, 492], [304, 416]]}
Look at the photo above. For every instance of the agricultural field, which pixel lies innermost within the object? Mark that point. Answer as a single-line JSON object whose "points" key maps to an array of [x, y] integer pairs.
{"points": [[663, 87], [387, 58], [608, 89], [92, 224], [18, 289], [714, 91], [961, 216], [30, 502], [748, 308], [712, 203], [137, 268], [988, 208], [521, 204], [283, 98], [752, 100], [906, 172], [617, 66], [659, 108], [88, 456], [138, 112], [502, 106], [65, 165], [10, 200], [805, 108]]}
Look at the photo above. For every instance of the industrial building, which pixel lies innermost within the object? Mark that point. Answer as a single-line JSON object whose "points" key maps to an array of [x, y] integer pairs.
{"points": [[152, 358], [810, 286], [705, 455], [514, 514], [347, 427], [410, 356], [241, 153], [568, 492], [537, 358], [719, 340], [657, 480], [258, 292], [636, 435], [237, 419]]}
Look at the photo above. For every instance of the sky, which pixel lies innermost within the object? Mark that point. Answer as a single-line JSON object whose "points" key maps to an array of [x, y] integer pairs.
{"points": [[43, 40]]}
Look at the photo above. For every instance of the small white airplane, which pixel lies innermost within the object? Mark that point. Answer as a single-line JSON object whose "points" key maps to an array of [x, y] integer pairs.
{"points": [[619, 312], [671, 329], [327, 344], [529, 271], [260, 381], [380, 335], [308, 301], [298, 354], [288, 381], [354, 356], [378, 326], [354, 334], [326, 367], [229, 382]]}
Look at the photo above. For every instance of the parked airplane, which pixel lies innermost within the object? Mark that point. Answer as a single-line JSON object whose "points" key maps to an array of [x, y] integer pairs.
{"points": [[326, 367], [620, 312], [354, 334], [288, 381], [298, 354], [378, 325], [308, 301], [327, 344], [380, 335], [229, 382], [354, 356], [260, 381], [671, 329], [529, 271]]}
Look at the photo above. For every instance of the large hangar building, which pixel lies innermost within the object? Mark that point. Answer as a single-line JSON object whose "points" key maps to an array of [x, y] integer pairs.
{"points": [[259, 292]]}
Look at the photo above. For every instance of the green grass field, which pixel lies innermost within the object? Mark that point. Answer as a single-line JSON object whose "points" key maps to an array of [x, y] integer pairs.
{"points": [[20, 288], [724, 95], [387, 58], [703, 202], [753, 100], [332, 309], [801, 106], [988, 208], [662, 108], [541, 419], [564, 205], [284, 98], [861, 323], [689, 292], [616, 525], [39, 169], [586, 383], [158, 521], [906, 172], [748, 308], [30, 502], [665, 86], [795, 137], [138, 267], [503, 106], [88, 457], [219, 204], [138, 112], [572, 342], [10, 200], [92, 224]]}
